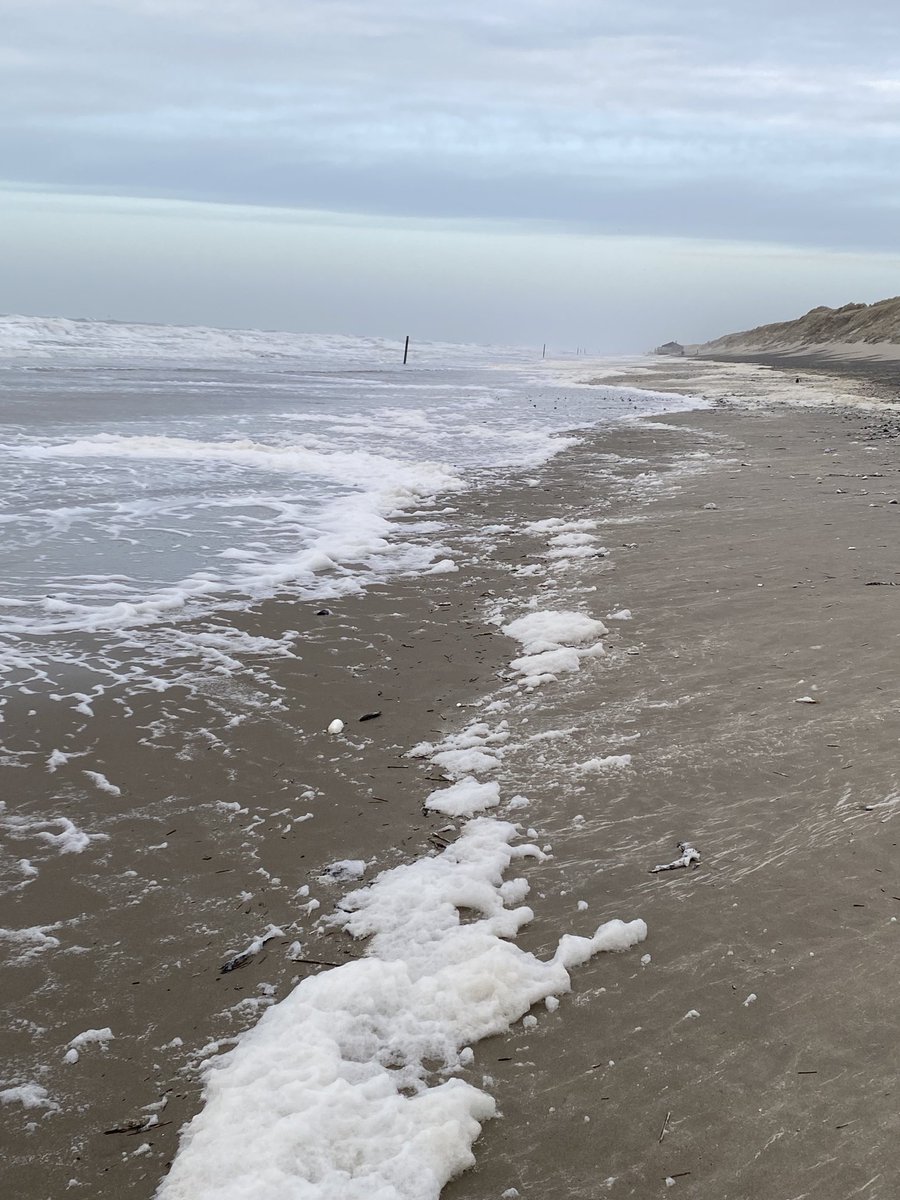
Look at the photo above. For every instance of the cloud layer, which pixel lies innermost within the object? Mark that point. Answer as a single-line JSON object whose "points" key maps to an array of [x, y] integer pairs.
{"points": [[777, 122]]}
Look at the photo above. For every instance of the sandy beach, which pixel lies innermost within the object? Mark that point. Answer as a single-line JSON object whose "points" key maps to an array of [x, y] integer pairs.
{"points": [[742, 559]]}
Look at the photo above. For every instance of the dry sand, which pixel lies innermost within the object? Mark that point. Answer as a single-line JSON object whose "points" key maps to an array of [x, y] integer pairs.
{"points": [[739, 612]]}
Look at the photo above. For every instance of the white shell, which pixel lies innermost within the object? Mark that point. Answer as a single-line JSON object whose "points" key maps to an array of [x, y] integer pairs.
{"points": [[336, 726]]}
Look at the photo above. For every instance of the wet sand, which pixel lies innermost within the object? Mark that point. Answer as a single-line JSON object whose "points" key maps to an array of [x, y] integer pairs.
{"points": [[875, 374], [738, 612]]}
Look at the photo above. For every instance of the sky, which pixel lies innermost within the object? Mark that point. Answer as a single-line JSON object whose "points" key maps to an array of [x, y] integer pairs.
{"points": [[582, 172]]}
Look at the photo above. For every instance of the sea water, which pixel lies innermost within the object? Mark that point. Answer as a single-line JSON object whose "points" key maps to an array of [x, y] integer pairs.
{"points": [[151, 474]]}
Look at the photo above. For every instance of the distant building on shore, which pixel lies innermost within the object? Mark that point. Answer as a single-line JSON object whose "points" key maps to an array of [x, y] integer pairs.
{"points": [[673, 348]]}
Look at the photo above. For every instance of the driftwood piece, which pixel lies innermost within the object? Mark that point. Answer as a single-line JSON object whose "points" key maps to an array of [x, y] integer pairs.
{"points": [[690, 857]]}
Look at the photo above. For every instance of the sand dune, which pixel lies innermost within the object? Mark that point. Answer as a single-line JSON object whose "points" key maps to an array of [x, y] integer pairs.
{"points": [[854, 331]]}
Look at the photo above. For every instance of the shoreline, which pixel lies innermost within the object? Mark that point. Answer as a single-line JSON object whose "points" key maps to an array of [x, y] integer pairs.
{"points": [[431, 644]]}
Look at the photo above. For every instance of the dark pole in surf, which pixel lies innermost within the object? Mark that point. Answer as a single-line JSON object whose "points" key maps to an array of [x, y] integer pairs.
{"points": [[406, 350], [544, 351]]}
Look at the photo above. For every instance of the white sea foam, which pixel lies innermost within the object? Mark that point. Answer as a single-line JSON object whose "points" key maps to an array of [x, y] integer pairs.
{"points": [[545, 667], [607, 762], [354, 532], [26, 944], [329, 1096], [60, 833], [89, 1037], [476, 750], [29, 1095], [554, 640], [549, 630], [469, 761], [464, 798], [56, 339], [69, 839], [100, 780]]}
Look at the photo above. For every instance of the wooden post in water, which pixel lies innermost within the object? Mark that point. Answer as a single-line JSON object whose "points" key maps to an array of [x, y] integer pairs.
{"points": [[406, 350], [544, 351]]}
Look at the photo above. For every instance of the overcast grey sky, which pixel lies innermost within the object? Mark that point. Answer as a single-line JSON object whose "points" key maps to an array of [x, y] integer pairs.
{"points": [[583, 171]]}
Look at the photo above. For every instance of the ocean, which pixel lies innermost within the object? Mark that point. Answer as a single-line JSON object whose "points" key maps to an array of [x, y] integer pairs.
{"points": [[154, 474]]}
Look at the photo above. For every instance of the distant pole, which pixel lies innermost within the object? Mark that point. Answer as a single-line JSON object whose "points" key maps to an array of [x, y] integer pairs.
{"points": [[406, 350], [544, 351]]}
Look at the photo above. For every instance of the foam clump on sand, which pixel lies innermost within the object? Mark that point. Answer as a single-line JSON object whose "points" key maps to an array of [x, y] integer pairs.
{"points": [[615, 762], [29, 1095], [328, 1097], [91, 1036], [550, 629], [458, 763], [475, 749], [464, 798], [554, 643], [100, 1037]]}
